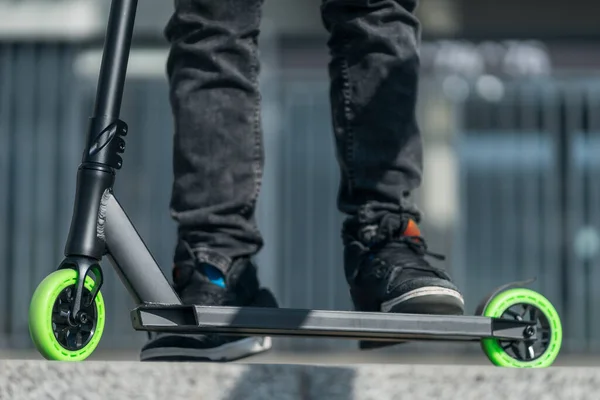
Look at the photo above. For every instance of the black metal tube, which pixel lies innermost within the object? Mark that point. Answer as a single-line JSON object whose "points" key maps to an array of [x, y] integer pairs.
{"points": [[101, 156], [115, 58], [83, 237]]}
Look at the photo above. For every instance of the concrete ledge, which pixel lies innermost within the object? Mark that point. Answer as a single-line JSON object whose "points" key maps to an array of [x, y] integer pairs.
{"points": [[25, 380]]}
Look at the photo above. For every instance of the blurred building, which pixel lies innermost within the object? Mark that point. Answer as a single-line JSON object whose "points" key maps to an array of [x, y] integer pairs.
{"points": [[509, 91]]}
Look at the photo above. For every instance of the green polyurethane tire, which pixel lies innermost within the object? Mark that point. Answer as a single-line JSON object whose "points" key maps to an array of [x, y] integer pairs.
{"points": [[40, 317], [509, 298]]}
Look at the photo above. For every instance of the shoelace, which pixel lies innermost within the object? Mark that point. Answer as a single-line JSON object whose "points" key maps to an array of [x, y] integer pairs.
{"points": [[391, 229], [418, 245]]}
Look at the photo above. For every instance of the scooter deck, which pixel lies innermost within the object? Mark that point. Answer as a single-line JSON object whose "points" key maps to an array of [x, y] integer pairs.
{"points": [[318, 323]]}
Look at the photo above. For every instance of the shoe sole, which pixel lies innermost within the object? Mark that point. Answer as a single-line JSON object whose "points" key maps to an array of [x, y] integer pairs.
{"points": [[425, 300], [228, 352]]}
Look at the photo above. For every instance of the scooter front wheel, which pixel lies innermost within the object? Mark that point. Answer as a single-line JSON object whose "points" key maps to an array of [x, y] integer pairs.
{"points": [[53, 330]]}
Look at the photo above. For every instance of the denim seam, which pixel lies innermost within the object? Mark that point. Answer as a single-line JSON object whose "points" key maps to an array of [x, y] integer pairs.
{"points": [[349, 133], [254, 71]]}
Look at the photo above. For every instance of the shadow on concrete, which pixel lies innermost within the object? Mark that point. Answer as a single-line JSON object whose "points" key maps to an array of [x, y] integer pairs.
{"points": [[300, 382]]}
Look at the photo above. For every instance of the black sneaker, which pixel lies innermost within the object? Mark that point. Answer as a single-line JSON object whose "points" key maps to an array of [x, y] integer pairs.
{"points": [[387, 271], [194, 285]]}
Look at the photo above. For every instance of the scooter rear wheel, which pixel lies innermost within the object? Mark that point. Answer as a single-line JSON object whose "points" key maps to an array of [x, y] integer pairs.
{"points": [[53, 330], [524, 305]]}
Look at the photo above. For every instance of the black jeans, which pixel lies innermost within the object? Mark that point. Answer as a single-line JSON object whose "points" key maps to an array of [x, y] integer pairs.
{"points": [[218, 151]]}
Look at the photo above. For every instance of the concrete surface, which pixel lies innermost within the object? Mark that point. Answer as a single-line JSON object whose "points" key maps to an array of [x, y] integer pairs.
{"points": [[408, 354], [114, 380]]}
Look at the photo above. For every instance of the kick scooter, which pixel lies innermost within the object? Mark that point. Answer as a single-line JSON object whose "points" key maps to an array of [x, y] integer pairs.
{"points": [[515, 326]]}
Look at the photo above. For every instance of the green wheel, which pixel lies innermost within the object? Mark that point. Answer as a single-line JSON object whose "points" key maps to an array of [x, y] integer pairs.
{"points": [[51, 327], [524, 305]]}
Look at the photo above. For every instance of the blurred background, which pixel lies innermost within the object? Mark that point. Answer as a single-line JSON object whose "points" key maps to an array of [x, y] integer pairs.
{"points": [[511, 188]]}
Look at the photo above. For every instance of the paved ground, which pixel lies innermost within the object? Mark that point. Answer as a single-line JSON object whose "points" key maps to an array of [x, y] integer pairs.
{"points": [[333, 358], [304, 376], [95, 380]]}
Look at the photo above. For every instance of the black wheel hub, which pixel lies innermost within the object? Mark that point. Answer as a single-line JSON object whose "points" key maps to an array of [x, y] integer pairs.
{"points": [[529, 349], [73, 332]]}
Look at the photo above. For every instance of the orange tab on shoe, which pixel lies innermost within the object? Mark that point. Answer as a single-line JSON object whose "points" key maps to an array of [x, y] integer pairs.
{"points": [[412, 229]]}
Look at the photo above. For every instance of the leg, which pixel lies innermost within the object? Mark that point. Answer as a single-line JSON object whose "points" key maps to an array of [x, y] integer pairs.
{"points": [[218, 159], [374, 79], [218, 154], [374, 84]]}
